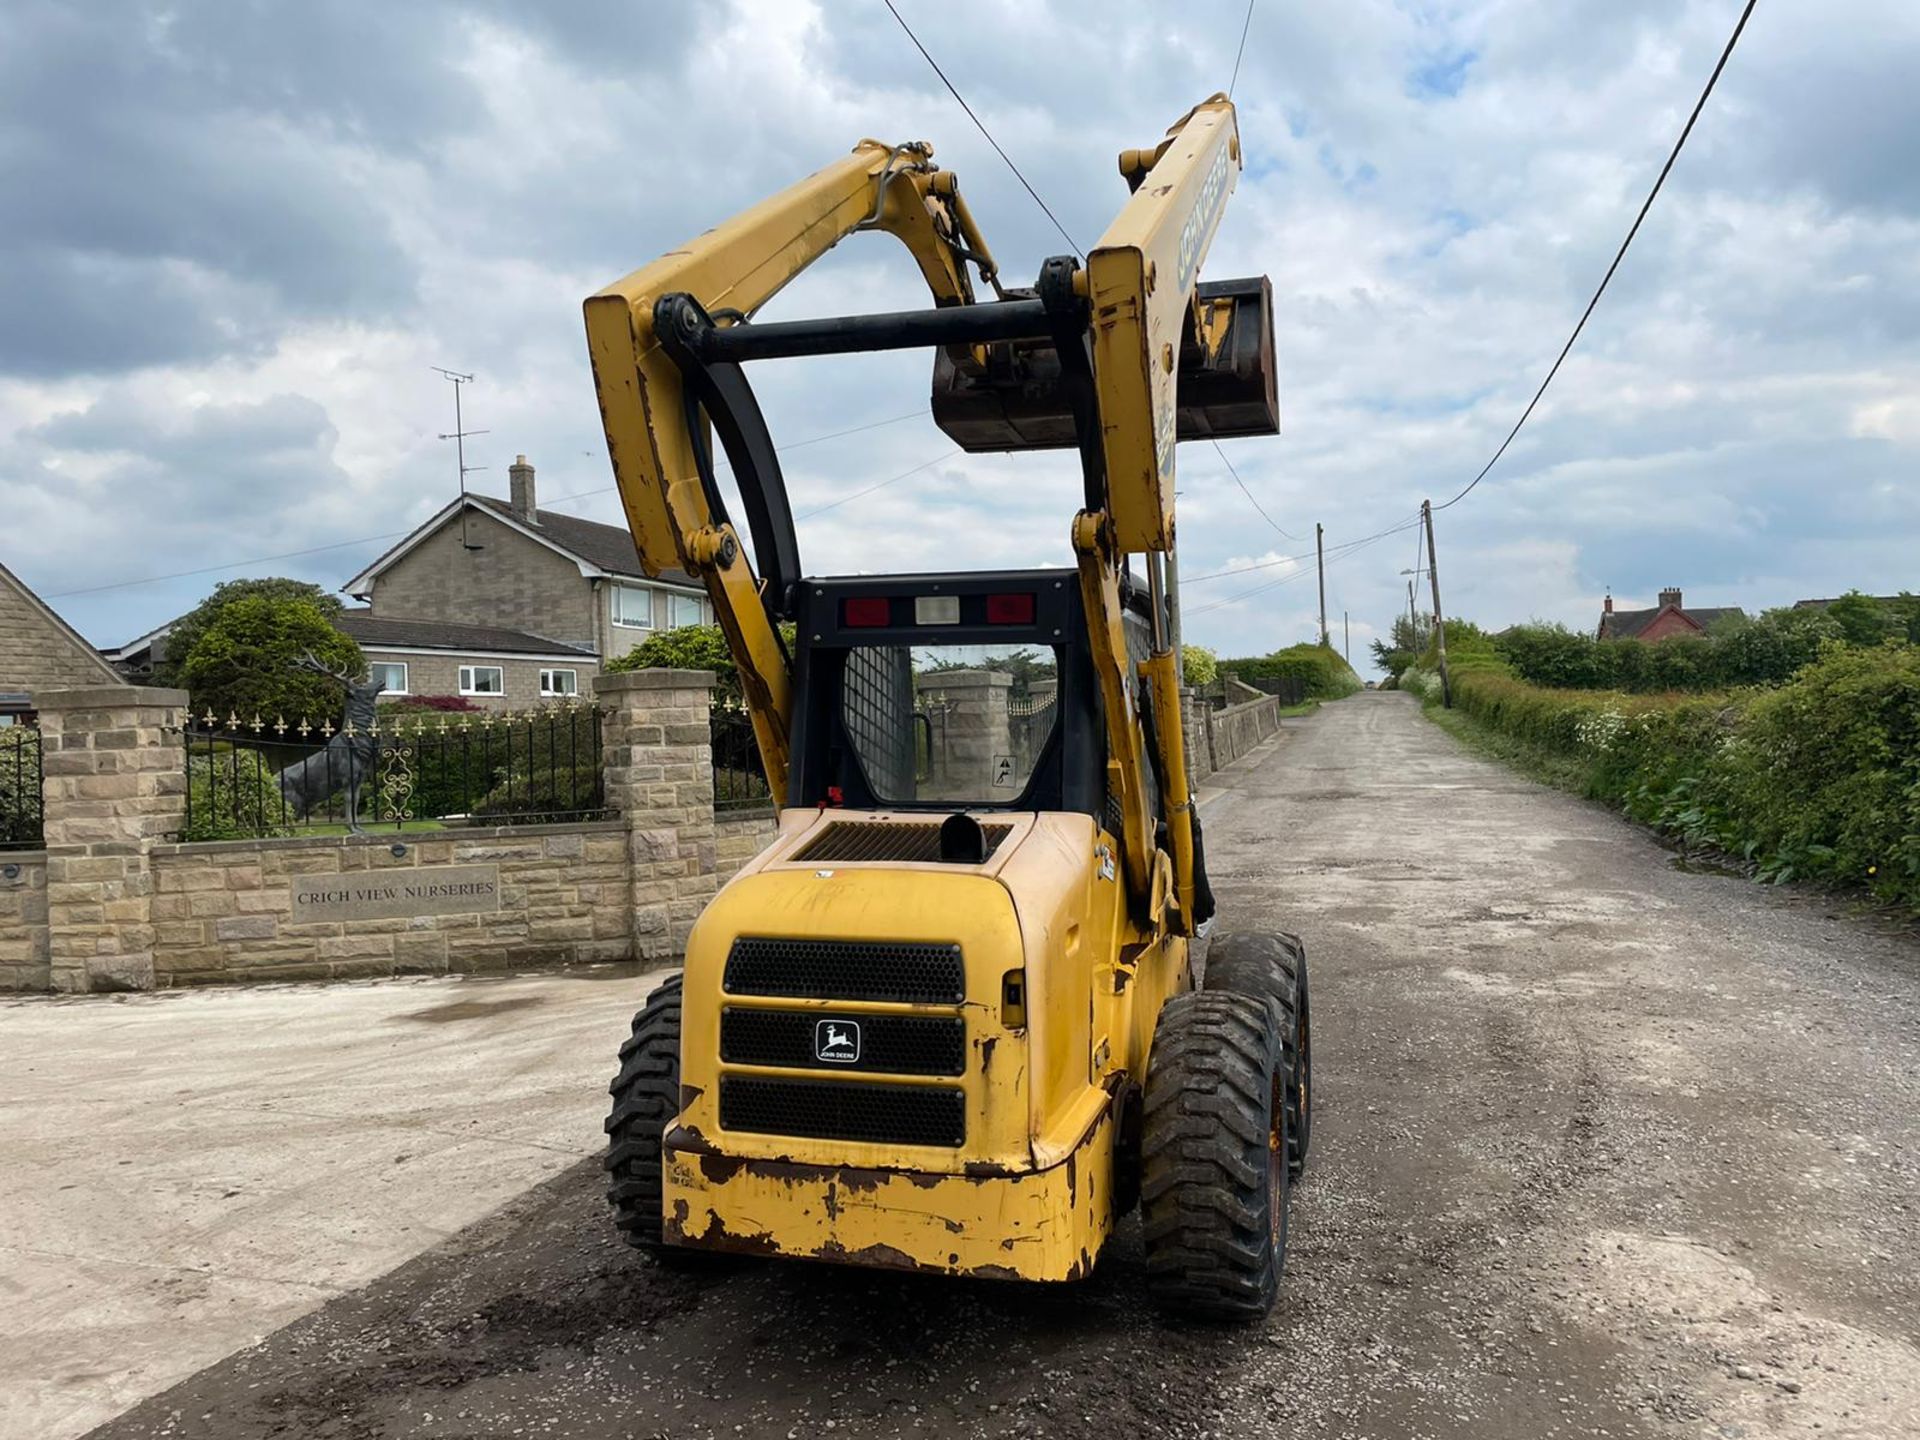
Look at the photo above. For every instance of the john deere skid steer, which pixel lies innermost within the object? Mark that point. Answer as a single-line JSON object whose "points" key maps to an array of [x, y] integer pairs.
{"points": [[947, 1020]]}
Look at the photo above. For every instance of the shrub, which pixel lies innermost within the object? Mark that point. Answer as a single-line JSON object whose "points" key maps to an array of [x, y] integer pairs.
{"points": [[1318, 667], [233, 795], [20, 784], [1199, 664]]}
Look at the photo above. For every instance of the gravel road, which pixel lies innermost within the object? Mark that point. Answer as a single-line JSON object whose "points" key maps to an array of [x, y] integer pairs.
{"points": [[1602, 1147]]}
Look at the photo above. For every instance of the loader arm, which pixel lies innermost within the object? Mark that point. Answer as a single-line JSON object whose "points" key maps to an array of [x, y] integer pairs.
{"points": [[1093, 357], [655, 439]]}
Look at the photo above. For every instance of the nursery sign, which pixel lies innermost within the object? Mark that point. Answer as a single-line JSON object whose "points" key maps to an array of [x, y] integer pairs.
{"points": [[392, 894]]}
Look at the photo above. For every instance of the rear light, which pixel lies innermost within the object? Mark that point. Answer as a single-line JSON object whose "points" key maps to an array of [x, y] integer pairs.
{"points": [[866, 611], [1009, 609], [936, 609]]}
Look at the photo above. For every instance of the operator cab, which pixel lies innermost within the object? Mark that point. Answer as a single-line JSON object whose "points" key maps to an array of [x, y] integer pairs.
{"points": [[953, 692]]}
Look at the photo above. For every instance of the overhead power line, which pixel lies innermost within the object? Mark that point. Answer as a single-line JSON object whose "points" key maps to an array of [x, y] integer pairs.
{"points": [[1249, 494], [981, 127], [1406, 524], [1341, 553], [1619, 255], [1245, 25], [396, 534], [894, 480]]}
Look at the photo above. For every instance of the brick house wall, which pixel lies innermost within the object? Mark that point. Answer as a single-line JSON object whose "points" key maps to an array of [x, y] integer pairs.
{"points": [[39, 650], [512, 581]]}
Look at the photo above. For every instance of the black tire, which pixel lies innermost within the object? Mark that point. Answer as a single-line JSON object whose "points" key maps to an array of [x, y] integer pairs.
{"points": [[1273, 966], [1213, 1192], [646, 1097]]}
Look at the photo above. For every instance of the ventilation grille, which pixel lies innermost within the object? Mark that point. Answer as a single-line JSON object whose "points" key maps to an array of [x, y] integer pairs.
{"points": [[826, 1110], [846, 843], [891, 1044], [906, 973]]}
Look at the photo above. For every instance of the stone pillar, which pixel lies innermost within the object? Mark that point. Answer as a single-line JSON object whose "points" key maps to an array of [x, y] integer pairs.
{"points": [[115, 762], [657, 753], [978, 763]]}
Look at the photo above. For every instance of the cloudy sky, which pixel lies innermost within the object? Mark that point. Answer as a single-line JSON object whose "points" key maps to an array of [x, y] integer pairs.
{"points": [[239, 235]]}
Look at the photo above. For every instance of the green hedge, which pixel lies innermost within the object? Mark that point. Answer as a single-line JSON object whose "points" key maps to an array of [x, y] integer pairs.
{"points": [[1817, 779], [1319, 667], [1735, 652]]}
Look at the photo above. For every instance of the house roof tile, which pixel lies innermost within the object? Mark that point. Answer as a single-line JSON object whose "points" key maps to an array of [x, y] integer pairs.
{"points": [[445, 635]]}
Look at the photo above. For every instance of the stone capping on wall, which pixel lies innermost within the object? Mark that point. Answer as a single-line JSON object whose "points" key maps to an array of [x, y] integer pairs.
{"points": [[386, 839]]}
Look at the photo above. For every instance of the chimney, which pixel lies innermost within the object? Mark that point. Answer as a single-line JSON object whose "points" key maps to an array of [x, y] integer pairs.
{"points": [[520, 482], [1670, 596]]}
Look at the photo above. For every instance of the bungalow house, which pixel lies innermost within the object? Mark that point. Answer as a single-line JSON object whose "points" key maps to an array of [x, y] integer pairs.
{"points": [[503, 602], [1665, 620]]}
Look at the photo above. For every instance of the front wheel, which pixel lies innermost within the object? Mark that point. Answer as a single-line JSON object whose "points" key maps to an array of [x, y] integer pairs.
{"points": [[1214, 1155], [1272, 965]]}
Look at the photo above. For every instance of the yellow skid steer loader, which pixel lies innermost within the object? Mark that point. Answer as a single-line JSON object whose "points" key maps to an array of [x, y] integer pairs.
{"points": [[946, 1020]]}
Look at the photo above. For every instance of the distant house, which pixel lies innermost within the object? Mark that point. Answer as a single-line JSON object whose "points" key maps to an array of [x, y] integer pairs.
{"points": [[1824, 604], [1665, 620], [40, 651], [485, 663], [503, 602]]}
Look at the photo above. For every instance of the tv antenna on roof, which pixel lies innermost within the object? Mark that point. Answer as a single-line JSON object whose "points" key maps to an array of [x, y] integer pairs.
{"points": [[459, 435]]}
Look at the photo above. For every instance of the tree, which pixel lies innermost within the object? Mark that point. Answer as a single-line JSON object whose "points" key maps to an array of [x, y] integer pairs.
{"points": [[1403, 645], [188, 629], [1199, 664], [246, 661], [1862, 619]]}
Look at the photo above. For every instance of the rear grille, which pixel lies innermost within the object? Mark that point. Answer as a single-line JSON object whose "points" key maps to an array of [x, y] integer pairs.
{"points": [[891, 1044], [826, 1110], [906, 973], [845, 842]]}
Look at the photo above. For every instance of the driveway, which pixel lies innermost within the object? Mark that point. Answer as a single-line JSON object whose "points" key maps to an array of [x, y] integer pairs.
{"points": [[188, 1171]]}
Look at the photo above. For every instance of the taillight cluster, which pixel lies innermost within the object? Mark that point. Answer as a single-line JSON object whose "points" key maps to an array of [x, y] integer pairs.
{"points": [[872, 612]]}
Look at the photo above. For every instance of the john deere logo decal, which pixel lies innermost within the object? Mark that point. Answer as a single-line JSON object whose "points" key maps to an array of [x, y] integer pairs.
{"points": [[837, 1041]]}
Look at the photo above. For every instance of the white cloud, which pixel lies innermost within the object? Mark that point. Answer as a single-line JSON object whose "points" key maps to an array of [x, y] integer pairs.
{"points": [[255, 240]]}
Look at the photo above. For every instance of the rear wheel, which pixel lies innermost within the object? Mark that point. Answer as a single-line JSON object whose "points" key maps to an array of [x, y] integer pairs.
{"points": [[1214, 1184], [646, 1097], [1272, 965]]}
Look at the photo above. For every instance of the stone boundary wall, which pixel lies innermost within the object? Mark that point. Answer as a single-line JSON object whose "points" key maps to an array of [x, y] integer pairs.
{"points": [[1235, 730], [23, 920], [117, 902], [225, 910]]}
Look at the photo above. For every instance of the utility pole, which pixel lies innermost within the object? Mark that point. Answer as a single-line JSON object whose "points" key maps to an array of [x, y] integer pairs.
{"points": [[459, 435], [1439, 616], [1413, 622], [1320, 554], [1346, 637]]}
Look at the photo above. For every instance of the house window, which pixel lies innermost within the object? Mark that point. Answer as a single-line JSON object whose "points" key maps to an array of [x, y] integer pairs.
{"points": [[632, 607], [684, 610], [390, 675], [482, 680], [559, 682]]}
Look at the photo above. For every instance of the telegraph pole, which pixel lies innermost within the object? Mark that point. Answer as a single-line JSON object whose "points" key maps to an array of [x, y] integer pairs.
{"points": [[1346, 637], [1320, 554], [1413, 622], [1439, 617], [459, 435]]}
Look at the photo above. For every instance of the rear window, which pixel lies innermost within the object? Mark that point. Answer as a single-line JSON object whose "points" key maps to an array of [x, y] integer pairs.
{"points": [[950, 724]]}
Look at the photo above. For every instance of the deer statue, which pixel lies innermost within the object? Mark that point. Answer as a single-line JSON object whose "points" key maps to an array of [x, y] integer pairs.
{"points": [[347, 758]]}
